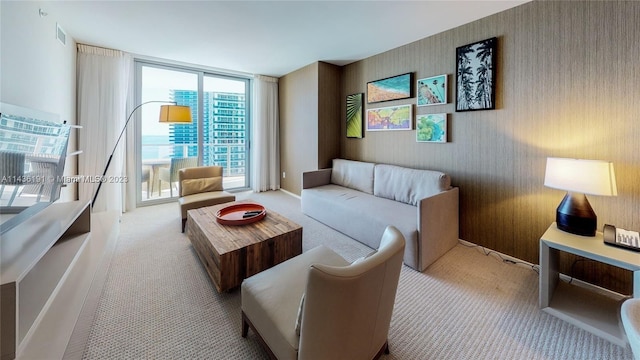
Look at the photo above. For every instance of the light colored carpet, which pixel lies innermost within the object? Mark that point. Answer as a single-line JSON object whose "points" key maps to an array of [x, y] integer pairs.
{"points": [[158, 303]]}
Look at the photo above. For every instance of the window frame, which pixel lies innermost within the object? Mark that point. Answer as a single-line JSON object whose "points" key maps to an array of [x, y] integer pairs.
{"points": [[201, 73]]}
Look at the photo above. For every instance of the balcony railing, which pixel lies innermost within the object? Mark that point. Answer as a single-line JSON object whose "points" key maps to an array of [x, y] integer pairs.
{"points": [[232, 161]]}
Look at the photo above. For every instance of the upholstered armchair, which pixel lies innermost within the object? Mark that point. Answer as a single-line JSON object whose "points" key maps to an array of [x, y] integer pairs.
{"points": [[318, 306], [170, 174], [200, 187]]}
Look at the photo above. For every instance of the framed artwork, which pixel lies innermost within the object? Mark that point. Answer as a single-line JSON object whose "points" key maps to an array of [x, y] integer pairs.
{"points": [[390, 118], [431, 128], [475, 76], [355, 115], [392, 88], [432, 90]]}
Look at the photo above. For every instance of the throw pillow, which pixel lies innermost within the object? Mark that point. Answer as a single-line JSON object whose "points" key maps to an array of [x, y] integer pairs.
{"points": [[195, 186], [353, 174], [299, 317]]}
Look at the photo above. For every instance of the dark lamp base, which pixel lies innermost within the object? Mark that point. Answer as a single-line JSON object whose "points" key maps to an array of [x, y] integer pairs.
{"points": [[575, 215]]}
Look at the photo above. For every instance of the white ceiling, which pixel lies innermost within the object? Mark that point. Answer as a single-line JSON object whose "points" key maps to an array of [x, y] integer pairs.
{"points": [[262, 37]]}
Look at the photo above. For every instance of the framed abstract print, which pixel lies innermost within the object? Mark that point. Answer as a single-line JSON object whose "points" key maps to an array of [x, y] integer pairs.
{"points": [[390, 118]]}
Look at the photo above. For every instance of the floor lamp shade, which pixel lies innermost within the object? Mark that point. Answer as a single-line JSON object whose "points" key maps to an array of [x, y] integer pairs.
{"points": [[175, 114], [579, 177]]}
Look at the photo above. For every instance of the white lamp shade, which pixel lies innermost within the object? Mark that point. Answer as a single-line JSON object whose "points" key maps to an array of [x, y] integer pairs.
{"points": [[594, 177]]}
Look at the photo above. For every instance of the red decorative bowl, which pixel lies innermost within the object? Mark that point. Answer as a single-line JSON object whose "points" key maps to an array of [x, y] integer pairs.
{"points": [[241, 214]]}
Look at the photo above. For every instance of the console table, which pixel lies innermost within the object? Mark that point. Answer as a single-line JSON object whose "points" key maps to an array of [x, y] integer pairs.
{"points": [[595, 312]]}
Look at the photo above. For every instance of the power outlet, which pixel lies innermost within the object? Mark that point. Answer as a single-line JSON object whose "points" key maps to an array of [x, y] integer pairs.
{"points": [[284, 174]]}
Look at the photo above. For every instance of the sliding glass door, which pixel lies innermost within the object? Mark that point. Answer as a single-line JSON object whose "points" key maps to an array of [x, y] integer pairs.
{"points": [[218, 135], [225, 128]]}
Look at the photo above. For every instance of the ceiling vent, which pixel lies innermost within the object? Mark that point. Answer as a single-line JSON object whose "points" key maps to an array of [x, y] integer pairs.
{"points": [[61, 35]]}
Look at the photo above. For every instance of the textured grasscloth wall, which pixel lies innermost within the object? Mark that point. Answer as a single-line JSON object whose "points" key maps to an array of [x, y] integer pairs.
{"points": [[298, 124], [328, 113], [567, 86], [309, 121]]}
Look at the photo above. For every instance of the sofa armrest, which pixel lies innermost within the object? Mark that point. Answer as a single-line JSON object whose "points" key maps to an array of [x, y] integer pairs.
{"points": [[315, 178], [438, 226]]}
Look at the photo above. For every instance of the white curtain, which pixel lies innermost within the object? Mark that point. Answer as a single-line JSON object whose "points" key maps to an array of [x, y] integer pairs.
{"points": [[103, 83], [130, 188], [266, 138]]}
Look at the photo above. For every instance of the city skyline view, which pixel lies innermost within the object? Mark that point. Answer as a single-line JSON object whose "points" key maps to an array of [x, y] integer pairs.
{"points": [[222, 102]]}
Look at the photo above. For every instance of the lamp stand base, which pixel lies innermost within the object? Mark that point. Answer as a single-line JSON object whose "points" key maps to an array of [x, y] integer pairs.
{"points": [[575, 215]]}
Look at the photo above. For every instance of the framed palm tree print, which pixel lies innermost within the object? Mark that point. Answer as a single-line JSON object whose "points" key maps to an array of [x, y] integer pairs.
{"points": [[355, 114], [475, 76]]}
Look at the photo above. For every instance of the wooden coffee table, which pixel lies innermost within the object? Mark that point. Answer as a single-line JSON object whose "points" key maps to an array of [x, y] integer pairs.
{"points": [[232, 253]]}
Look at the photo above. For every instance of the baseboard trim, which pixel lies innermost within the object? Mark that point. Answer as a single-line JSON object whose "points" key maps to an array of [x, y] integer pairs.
{"points": [[504, 256], [290, 193], [563, 277]]}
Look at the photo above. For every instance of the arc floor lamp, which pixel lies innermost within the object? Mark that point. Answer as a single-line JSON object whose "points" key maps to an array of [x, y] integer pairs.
{"points": [[169, 114]]}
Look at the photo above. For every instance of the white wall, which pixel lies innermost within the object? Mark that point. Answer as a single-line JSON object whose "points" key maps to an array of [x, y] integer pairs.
{"points": [[36, 70]]}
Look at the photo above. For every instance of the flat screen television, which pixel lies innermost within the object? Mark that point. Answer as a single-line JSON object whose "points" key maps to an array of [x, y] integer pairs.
{"points": [[33, 150]]}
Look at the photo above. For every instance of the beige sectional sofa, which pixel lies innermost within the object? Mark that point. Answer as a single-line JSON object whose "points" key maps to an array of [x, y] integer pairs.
{"points": [[360, 199]]}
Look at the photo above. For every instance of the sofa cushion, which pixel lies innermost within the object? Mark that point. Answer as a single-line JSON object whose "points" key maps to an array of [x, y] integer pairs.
{"points": [[408, 185], [362, 216], [196, 201], [195, 186], [356, 175]]}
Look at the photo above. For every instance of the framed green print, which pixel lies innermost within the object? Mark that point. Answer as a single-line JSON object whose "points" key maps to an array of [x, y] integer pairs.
{"points": [[431, 128], [355, 115]]}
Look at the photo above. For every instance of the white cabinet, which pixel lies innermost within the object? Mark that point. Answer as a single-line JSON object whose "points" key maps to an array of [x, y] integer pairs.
{"points": [[46, 269]]}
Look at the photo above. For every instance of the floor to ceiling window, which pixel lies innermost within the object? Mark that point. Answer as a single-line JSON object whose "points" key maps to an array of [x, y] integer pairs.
{"points": [[218, 134]]}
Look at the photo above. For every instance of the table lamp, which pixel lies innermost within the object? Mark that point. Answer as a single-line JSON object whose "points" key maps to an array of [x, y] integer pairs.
{"points": [[579, 177]]}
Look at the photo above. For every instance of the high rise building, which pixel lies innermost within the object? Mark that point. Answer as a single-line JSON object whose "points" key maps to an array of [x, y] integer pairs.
{"points": [[224, 128]]}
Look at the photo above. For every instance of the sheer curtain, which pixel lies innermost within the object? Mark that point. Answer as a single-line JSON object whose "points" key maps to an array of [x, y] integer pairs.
{"points": [[103, 77], [266, 138]]}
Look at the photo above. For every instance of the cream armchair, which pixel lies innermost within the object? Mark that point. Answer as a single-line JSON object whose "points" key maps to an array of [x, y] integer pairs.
{"points": [[200, 187], [346, 309], [630, 312]]}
